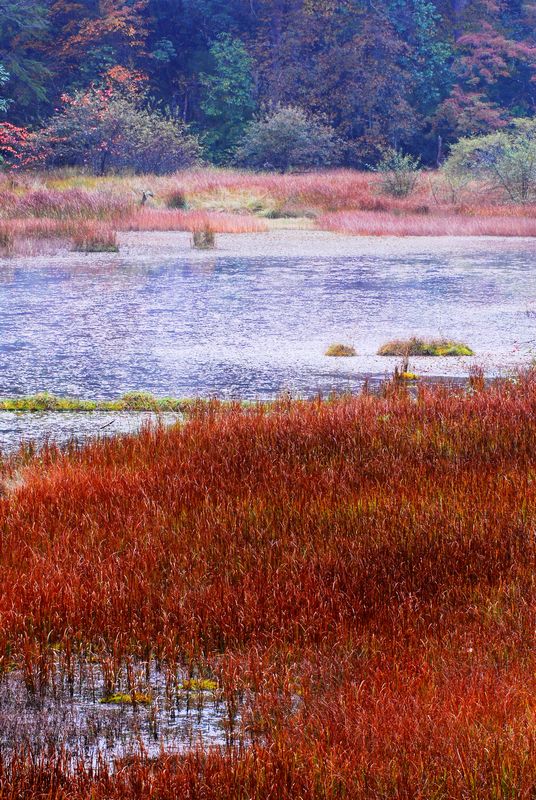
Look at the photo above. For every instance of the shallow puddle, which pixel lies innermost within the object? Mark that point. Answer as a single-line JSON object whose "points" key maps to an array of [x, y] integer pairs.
{"points": [[75, 717], [65, 426]]}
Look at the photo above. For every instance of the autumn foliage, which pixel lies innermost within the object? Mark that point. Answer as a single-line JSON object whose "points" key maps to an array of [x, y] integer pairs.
{"points": [[413, 75]]}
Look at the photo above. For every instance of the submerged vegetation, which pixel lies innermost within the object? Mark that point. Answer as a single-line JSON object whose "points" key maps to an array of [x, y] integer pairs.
{"points": [[199, 685], [424, 347], [355, 576]]}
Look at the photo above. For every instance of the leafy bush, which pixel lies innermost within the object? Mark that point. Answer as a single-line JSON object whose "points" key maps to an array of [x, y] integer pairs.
{"points": [[399, 172], [288, 138], [505, 160], [106, 133]]}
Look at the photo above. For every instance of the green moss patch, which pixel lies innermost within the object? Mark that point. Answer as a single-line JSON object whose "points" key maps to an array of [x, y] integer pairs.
{"points": [[199, 685], [123, 698]]}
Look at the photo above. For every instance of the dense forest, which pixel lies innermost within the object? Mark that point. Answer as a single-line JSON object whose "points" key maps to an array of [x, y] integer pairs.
{"points": [[410, 74]]}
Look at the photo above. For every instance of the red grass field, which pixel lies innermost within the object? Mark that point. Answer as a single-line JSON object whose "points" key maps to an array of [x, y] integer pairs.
{"points": [[360, 570]]}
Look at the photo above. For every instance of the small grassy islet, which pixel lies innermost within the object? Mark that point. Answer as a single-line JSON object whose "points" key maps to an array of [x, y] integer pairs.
{"points": [[132, 401], [424, 347], [340, 351]]}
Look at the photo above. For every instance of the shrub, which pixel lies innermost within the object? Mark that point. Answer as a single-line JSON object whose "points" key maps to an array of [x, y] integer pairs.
{"points": [[424, 347], [505, 160], [176, 199], [340, 351], [399, 172], [288, 138], [112, 133]]}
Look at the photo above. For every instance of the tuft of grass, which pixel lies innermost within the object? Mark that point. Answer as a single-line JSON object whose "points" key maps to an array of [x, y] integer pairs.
{"points": [[340, 351], [424, 347], [139, 401], [204, 238], [95, 238], [7, 239], [176, 199]]}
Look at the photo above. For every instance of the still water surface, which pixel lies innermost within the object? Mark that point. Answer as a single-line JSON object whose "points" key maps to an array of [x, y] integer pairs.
{"points": [[249, 326]]}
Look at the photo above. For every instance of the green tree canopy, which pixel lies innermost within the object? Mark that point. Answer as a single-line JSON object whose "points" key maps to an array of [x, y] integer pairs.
{"points": [[506, 160], [287, 138], [4, 77], [227, 102], [23, 27]]}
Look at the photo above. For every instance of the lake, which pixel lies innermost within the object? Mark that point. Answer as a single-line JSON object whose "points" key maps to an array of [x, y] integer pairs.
{"points": [[250, 326]]}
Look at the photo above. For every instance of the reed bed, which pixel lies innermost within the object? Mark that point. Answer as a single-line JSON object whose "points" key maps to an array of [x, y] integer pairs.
{"points": [[356, 574], [383, 224], [40, 206], [95, 238], [175, 220]]}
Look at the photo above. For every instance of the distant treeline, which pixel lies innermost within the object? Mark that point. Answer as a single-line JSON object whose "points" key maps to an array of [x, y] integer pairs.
{"points": [[410, 74]]}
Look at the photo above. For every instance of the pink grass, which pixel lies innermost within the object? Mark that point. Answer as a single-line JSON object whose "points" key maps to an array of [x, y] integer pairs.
{"points": [[381, 224], [150, 219]]}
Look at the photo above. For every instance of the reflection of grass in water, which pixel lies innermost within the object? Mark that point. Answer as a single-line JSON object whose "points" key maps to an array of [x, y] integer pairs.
{"points": [[80, 714], [424, 347]]}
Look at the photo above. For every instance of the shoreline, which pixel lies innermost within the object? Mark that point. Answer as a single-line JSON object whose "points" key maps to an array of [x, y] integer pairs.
{"points": [[278, 242]]}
